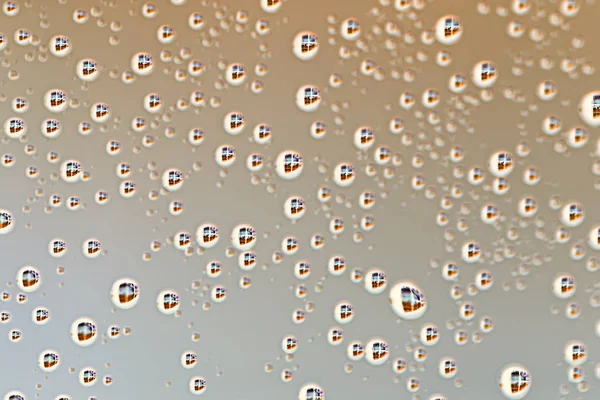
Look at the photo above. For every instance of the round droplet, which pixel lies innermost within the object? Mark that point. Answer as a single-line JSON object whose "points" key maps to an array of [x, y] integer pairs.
{"points": [[515, 381], [407, 300], [84, 331], [125, 293]]}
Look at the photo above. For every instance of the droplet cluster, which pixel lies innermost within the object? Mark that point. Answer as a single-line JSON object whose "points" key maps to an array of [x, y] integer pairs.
{"points": [[201, 193]]}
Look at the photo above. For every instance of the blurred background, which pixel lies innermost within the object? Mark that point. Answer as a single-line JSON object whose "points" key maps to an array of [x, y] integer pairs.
{"points": [[463, 121]]}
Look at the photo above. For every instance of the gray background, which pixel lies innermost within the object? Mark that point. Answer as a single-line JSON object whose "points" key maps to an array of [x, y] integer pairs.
{"points": [[241, 335]]}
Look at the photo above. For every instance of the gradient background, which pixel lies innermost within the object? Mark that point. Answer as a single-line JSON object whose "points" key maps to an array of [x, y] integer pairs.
{"points": [[241, 335]]}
